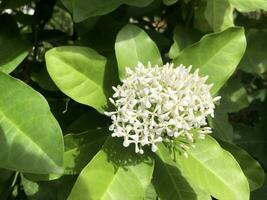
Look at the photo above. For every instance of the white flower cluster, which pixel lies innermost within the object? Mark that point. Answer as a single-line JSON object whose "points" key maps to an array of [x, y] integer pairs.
{"points": [[156, 104]]}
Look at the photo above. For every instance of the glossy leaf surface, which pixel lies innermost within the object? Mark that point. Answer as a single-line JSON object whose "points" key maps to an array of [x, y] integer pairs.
{"points": [[28, 131]]}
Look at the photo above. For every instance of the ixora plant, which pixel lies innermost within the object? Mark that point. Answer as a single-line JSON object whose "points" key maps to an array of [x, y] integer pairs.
{"points": [[162, 107], [133, 100]]}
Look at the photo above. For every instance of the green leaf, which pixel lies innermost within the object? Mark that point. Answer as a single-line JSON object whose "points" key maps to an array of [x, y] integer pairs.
{"points": [[133, 45], [255, 58], [81, 148], [15, 51], [150, 193], [169, 2], [214, 170], [79, 72], [200, 21], [87, 121], [170, 183], [234, 96], [251, 168], [82, 10], [182, 38], [219, 14], [221, 126], [14, 48], [30, 137], [253, 138], [6, 179], [249, 5], [260, 193], [52, 190], [216, 55], [42, 78], [115, 173], [42, 177]]}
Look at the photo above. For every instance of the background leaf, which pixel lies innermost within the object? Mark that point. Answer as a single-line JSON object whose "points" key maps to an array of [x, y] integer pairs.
{"points": [[216, 55], [84, 9], [169, 2], [28, 131], [182, 38], [255, 58], [221, 126], [234, 96], [52, 190], [219, 14], [13, 47], [249, 5]]}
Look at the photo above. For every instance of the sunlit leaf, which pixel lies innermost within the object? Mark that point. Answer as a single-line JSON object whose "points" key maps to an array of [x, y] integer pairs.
{"points": [[216, 55], [214, 170], [250, 166], [30, 137], [249, 5], [115, 173], [169, 181], [79, 72], [133, 45]]}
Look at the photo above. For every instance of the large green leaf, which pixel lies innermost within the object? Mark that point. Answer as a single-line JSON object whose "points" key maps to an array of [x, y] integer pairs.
{"points": [[82, 10], [249, 5], [216, 55], [81, 148], [170, 183], [219, 14], [30, 137], [79, 72], [133, 45], [251, 168], [214, 170], [115, 173]]}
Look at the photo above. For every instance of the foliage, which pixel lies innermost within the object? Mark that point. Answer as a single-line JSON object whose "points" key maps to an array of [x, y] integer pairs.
{"points": [[58, 62]]}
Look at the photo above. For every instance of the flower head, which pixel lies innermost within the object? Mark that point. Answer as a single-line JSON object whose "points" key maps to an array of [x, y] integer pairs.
{"points": [[156, 104]]}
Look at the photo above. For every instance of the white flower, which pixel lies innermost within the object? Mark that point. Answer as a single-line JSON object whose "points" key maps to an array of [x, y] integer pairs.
{"points": [[156, 104]]}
